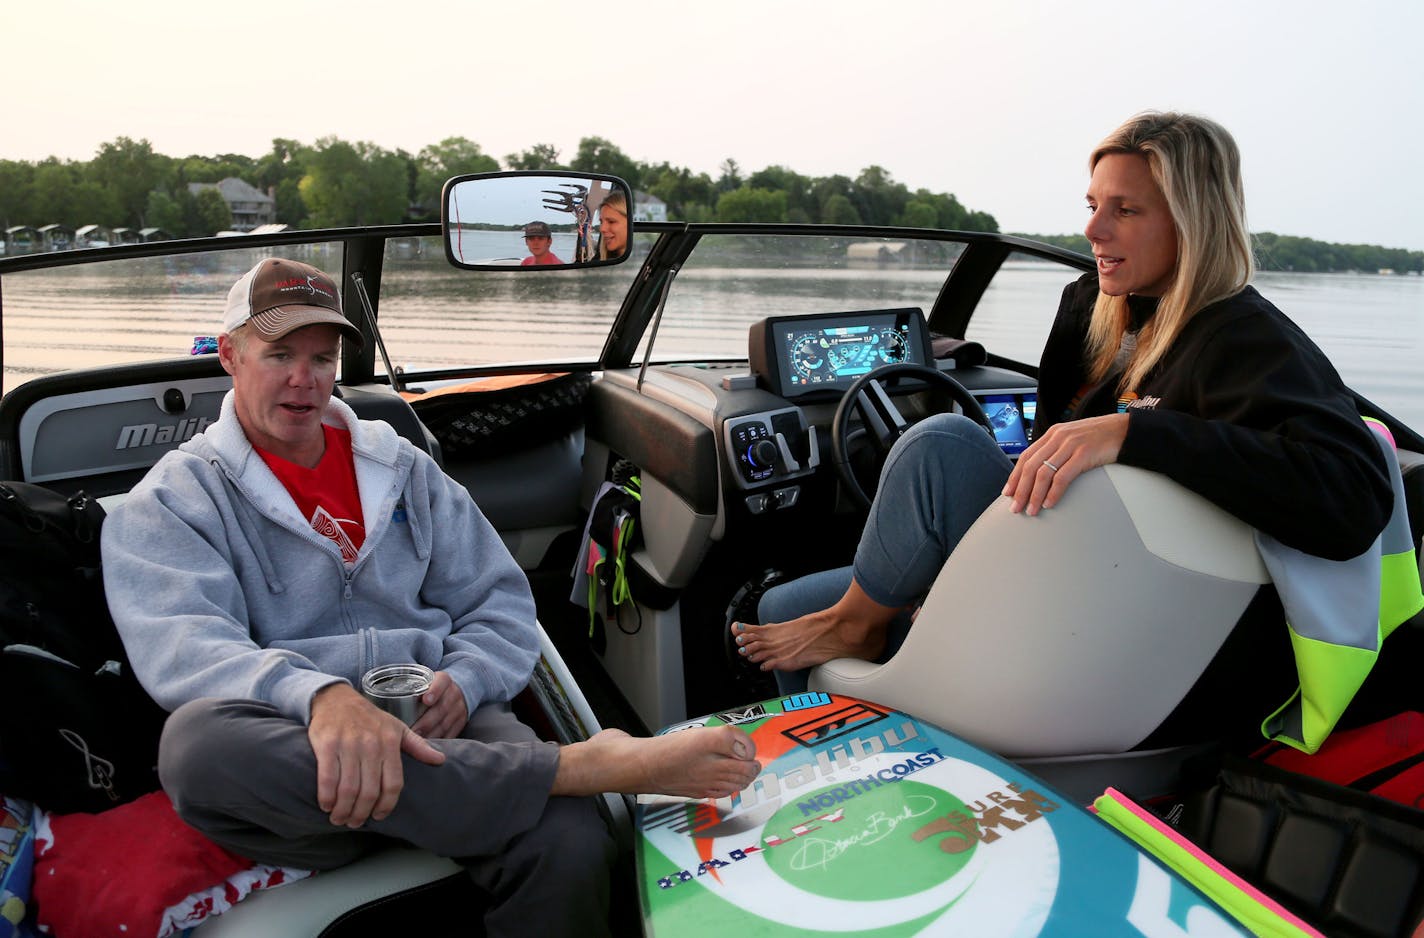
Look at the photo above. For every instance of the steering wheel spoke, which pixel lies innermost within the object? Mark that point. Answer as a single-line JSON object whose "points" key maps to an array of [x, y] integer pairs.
{"points": [[882, 421], [881, 418]]}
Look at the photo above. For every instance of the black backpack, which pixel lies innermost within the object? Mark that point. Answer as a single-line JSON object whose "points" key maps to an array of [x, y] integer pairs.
{"points": [[78, 732]]}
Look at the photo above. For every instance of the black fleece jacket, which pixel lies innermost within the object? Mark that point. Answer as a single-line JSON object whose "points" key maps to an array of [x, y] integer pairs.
{"points": [[1245, 410]]}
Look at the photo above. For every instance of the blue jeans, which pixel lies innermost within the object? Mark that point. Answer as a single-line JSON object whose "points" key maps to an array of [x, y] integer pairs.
{"points": [[937, 480]]}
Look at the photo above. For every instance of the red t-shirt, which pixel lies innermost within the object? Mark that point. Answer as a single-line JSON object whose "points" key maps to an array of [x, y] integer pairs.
{"points": [[326, 495]]}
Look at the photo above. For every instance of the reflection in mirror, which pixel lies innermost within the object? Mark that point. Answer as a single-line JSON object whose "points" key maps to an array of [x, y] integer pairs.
{"points": [[539, 221]]}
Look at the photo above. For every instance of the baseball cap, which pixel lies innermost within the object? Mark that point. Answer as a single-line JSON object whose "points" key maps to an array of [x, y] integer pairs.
{"points": [[537, 229], [279, 296]]}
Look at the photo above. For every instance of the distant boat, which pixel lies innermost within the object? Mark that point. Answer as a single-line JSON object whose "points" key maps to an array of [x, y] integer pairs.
{"points": [[93, 236]]}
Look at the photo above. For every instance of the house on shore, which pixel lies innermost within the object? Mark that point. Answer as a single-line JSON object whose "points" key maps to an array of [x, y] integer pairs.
{"points": [[875, 253], [648, 207], [249, 205]]}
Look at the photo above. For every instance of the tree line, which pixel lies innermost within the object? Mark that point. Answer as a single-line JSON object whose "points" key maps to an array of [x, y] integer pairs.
{"points": [[334, 183], [1301, 255]]}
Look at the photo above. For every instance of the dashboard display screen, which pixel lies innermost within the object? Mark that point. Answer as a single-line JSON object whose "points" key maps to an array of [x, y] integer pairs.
{"points": [[1006, 417], [828, 352], [1011, 416]]}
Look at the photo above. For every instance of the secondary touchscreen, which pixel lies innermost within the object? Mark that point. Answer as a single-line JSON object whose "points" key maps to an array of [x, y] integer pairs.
{"points": [[1006, 416]]}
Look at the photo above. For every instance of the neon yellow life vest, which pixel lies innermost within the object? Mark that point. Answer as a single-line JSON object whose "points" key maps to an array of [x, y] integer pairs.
{"points": [[1339, 613]]}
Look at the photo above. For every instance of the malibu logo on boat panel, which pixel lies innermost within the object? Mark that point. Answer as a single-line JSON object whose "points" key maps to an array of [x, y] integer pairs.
{"points": [[135, 435]]}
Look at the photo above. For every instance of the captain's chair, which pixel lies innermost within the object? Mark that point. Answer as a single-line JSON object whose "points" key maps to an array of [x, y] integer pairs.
{"points": [[1062, 641]]}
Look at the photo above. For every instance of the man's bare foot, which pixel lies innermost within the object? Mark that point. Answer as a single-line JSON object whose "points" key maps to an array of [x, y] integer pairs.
{"points": [[710, 762], [808, 641]]}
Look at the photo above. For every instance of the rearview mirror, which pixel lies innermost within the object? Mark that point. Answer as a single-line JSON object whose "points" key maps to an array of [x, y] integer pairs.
{"points": [[535, 221]]}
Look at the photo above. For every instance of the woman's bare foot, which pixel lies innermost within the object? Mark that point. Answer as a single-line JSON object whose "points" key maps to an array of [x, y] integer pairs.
{"points": [[855, 627], [808, 641], [709, 762]]}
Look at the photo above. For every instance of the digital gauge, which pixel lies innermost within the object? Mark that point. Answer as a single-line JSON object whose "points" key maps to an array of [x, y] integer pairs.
{"points": [[852, 351], [823, 353], [892, 346], [808, 356]]}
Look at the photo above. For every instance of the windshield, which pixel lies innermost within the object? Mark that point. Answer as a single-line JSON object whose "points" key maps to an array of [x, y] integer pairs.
{"points": [[434, 316], [128, 310], [733, 280], [1014, 315]]}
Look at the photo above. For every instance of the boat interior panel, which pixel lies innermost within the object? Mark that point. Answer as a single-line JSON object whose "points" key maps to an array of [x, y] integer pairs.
{"points": [[662, 441], [378, 403], [530, 495], [100, 430]]}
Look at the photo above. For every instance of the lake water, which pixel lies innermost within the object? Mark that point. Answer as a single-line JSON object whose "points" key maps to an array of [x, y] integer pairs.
{"points": [[1371, 326]]}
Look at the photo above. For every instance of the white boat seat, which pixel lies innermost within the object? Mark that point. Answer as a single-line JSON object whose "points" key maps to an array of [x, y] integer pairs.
{"points": [[309, 907], [1074, 633]]}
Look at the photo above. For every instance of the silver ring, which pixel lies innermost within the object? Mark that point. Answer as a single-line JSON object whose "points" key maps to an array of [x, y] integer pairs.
{"points": [[1050, 465]]}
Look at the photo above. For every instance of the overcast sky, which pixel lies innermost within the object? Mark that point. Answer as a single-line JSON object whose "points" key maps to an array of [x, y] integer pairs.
{"points": [[996, 101]]}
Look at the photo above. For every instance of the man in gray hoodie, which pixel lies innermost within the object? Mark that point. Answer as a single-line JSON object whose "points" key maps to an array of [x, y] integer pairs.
{"points": [[259, 570]]}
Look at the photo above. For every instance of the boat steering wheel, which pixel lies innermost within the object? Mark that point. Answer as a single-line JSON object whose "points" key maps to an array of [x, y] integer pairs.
{"points": [[882, 420]]}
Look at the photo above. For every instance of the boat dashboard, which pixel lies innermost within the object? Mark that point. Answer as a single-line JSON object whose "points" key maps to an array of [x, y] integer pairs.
{"points": [[769, 421], [739, 487], [820, 356]]}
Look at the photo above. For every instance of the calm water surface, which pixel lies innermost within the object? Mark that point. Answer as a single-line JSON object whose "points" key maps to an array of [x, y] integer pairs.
{"points": [[1372, 327]]}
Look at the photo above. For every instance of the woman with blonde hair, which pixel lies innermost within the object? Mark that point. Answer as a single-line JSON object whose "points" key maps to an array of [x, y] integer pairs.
{"points": [[1163, 358], [1194, 164], [613, 226]]}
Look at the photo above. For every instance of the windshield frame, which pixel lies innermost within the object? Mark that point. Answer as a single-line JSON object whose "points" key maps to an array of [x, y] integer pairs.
{"points": [[965, 282]]}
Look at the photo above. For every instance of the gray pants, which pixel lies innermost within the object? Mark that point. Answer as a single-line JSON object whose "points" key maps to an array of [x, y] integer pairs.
{"points": [[245, 776]]}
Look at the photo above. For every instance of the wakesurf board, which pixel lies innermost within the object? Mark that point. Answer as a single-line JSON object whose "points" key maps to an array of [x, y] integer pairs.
{"points": [[867, 821]]}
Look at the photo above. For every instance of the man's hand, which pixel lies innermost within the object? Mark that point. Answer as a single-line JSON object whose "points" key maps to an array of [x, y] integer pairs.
{"points": [[1044, 471], [358, 755], [445, 715]]}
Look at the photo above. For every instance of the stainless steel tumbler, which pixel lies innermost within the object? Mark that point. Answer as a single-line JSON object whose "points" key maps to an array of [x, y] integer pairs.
{"points": [[397, 688]]}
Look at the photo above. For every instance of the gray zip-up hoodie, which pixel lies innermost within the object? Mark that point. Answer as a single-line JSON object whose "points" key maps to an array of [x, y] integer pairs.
{"points": [[220, 588]]}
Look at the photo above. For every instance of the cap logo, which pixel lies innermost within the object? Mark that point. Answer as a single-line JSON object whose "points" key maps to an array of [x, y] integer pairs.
{"points": [[303, 285], [278, 296]]}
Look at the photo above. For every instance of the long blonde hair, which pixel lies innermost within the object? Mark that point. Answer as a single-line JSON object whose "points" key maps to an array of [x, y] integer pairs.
{"points": [[1197, 167]]}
